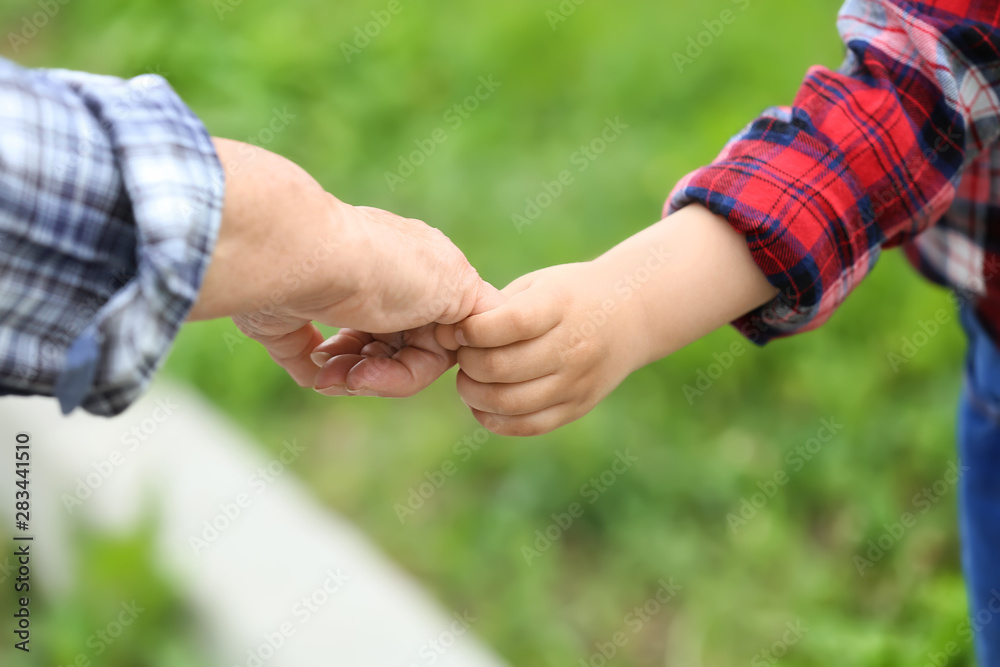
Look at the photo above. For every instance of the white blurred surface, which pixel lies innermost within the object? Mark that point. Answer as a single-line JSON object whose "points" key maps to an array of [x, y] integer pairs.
{"points": [[249, 582]]}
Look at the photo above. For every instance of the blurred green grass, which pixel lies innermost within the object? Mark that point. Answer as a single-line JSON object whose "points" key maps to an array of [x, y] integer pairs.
{"points": [[666, 517]]}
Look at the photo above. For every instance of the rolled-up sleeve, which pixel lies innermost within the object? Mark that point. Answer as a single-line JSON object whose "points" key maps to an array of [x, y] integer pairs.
{"points": [[110, 202], [867, 158]]}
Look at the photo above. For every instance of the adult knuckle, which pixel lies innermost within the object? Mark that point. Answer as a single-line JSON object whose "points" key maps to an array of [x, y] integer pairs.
{"points": [[457, 287]]}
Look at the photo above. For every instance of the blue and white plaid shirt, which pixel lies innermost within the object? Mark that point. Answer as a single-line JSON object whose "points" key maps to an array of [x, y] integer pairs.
{"points": [[110, 201]]}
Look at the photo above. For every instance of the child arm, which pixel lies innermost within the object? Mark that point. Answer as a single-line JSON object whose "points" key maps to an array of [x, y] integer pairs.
{"points": [[569, 334], [869, 157]]}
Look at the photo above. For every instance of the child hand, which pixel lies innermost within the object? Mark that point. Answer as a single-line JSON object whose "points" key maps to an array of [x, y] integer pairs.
{"points": [[568, 335], [565, 338]]}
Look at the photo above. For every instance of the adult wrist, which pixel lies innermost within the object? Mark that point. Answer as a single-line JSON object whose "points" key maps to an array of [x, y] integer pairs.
{"points": [[282, 238]]}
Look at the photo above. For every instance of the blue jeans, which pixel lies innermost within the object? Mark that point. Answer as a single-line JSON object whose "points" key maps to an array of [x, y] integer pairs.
{"points": [[979, 489]]}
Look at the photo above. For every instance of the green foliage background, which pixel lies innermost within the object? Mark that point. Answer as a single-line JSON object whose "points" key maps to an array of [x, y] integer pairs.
{"points": [[666, 517]]}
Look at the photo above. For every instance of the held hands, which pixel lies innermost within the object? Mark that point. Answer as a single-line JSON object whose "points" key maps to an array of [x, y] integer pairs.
{"points": [[565, 338], [568, 335], [417, 278], [533, 358], [412, 277], [554, 343], [289, 254]]}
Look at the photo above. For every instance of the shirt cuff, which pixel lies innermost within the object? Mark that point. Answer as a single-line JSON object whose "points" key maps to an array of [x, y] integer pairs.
{"points": [[174, 185]]}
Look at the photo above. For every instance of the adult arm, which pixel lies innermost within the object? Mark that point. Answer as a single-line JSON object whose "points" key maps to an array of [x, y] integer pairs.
{"points": [[290, 254], [115, 208]]}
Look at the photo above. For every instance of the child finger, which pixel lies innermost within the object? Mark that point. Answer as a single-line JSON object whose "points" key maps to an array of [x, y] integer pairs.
{"points": [[519, 362], [525, 316], [444, 334], [510, 399], [489, 298], [536, 423]]}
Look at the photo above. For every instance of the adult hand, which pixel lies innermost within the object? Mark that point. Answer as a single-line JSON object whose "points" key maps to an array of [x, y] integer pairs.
{"points": [[289, 254], [419, 279]]}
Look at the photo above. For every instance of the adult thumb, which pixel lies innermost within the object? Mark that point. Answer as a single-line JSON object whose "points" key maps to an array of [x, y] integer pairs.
{"points": [[488, 297]]}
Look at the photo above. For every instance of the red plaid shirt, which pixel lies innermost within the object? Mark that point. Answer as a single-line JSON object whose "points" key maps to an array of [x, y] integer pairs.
{"points": [[898, 147]]}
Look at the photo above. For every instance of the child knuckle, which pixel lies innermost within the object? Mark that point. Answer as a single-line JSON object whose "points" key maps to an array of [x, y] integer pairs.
{"points": [[496, 423], [515, 427], [502, 401], [578, 349], [508, 430], [528, 428], [493, 364], [472, 333], [520, 321]]}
